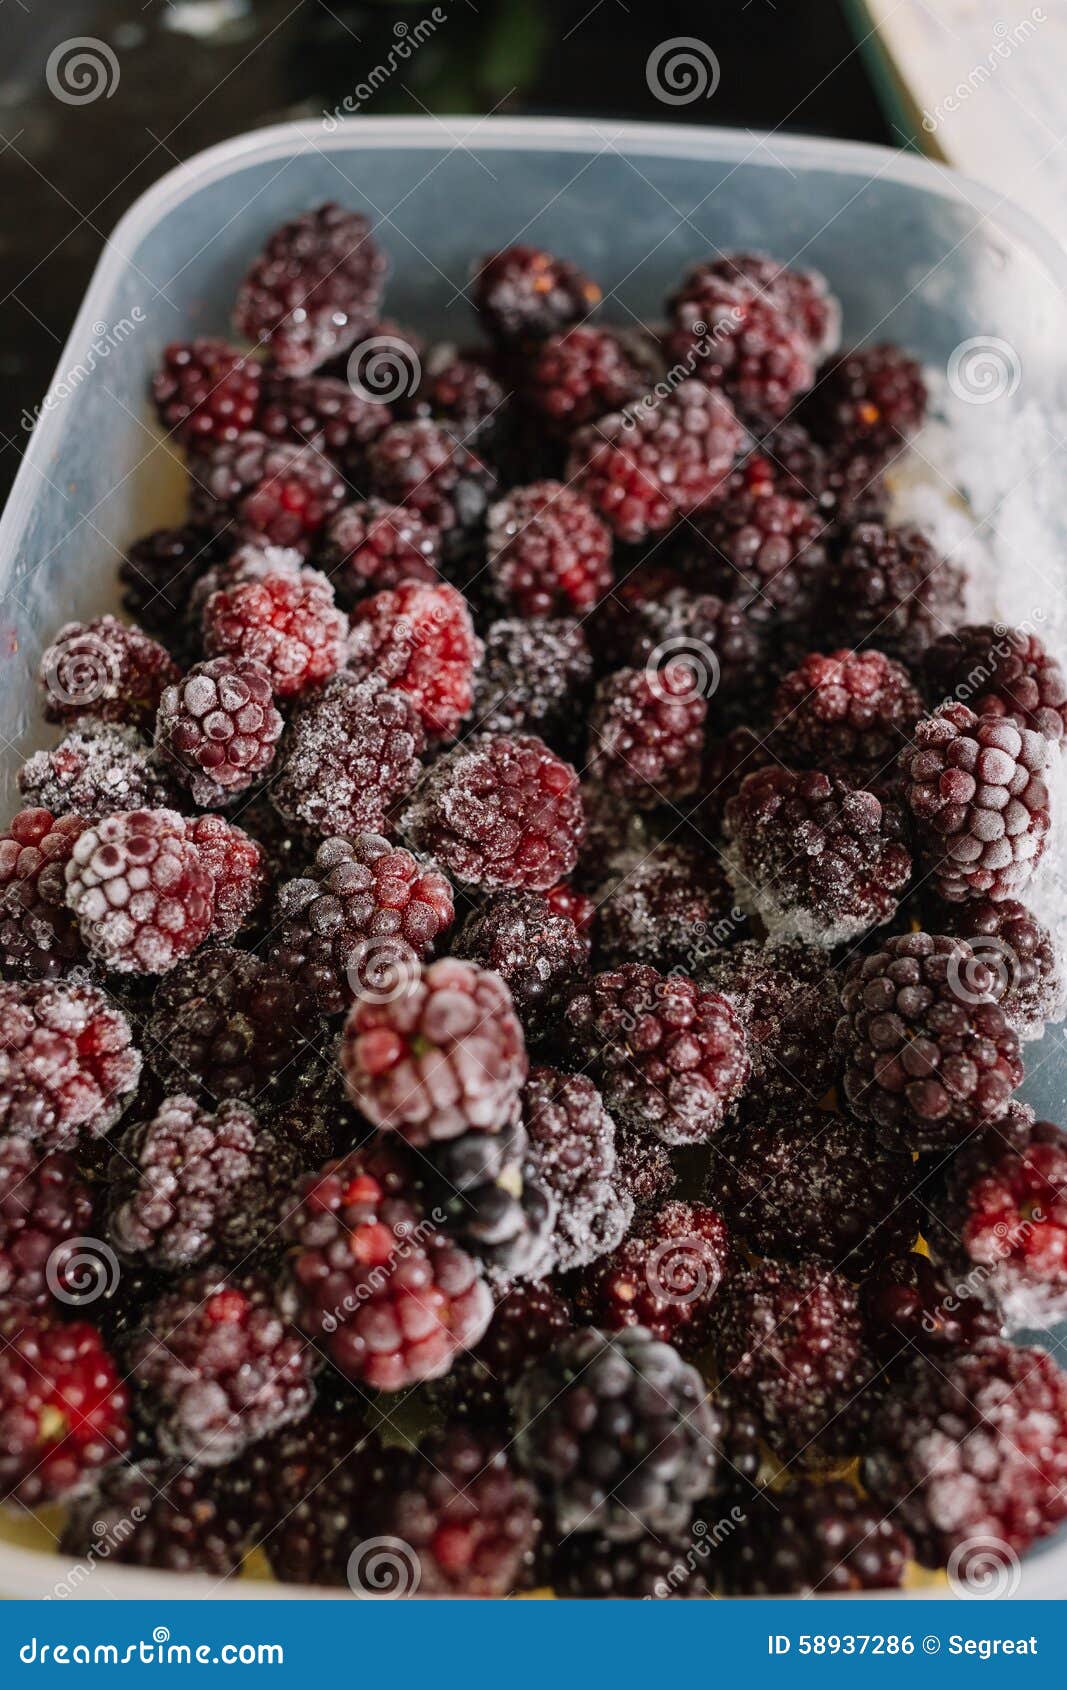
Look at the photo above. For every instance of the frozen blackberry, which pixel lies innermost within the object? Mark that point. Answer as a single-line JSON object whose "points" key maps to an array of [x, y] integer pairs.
{"points": [[314, 289], [286, 622], [614, 830], [188, 1186], [977, 792], [461, 388], [973, 1448], [548, 552], [910, 1306], [372, 545], [425, 466], [763, 552], [298, 1492], [537, 953], [856, 708], [534, 678], [217, 1366], [593, 1568], [814, 857], [249, 561], [644, 1167], [157, 574], [874, 395], [646, 733], [364, 917], [736, 330], [45, 1211], [929, 1055], [326, 413], [719, 642], [815, 1540], [442, 1056], [313, 1114], [270, 493], [576, 377], [206, 390], [68, 1065], [96, 769], [726, 763], [890, 588], [238, 869], [567, 900], [500, 811], [999, 671], [786, 997], [39, 939], [419, 639], [149, 1516], [664, 1277], [644, 467], [528, 1323], [524, 293], [572, 1148], [791, 1341], [670, 1057], [288, 849], [1027, 978], [220, 728], [615, 627], [63, 1407], [798, 1182], [228, 1024], [106, 670], [845, 481], [507, 1223], [351, 752], [618, 1432], [374, 1281], [140, 891], [664, 909]]}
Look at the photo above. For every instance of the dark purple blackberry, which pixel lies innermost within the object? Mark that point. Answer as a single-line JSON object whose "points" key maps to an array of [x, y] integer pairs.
{"points": [[350, 754], [217, 1366], [929, 1055], [528, 1323], [1028, 980], [844, 481], [96, 769], [787, 999], [593, 1568], [644, 1167], [39, 938], [508, 1223], [646, 734], [297, 1493], [719, 641], [314, 1116], [619, 1434], [664, 1277], [149, 1516], [665, 909], [614, 628], [726, 763], [423, 465], [572, 1149], [462, 389], [548, 553], [157, 574], [326, 413], [314, 290], [815, 858], [814, 1540], [373, 545], [576, 377], [856, 708], [219, 727], [525, 293], [910, 1306], [534, 678], [537, 953], [999, 671], [874, 396], [106, 670], [45, 1211], [614, 830], [763, 552], [889, 588], [737, 330], [206, 390]]}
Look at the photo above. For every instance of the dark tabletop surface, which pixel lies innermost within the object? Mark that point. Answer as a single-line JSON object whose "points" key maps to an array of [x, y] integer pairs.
{"points": [[193, 72]]}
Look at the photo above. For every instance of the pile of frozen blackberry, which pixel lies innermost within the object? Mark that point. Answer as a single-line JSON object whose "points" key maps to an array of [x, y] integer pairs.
{"points": [[516, 969]]}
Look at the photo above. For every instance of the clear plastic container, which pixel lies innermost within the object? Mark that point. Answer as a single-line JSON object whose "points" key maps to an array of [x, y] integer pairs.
{"points": [[916, 253]]}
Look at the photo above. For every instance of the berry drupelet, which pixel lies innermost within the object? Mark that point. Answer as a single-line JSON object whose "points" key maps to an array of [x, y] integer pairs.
{"points": [[371, 545], [419, 639], [889, 588], [1028, 980], [149, 1516], [507, 1222], [537, 953], [535, 678], [68, 1065], [815, 1540], [462, 389], [63, 1407], [664, 1277], [857, 709], [351, 753], [106, 670], [572, 1149], [140, 891], [45, 1211], [646, 733], [220, 728], [96, 769], [522, 293], [206, 390], [548, 552], [644, 1168], [39, 939], [786, 997], [286, 621], [999, 671], [664, 909]]}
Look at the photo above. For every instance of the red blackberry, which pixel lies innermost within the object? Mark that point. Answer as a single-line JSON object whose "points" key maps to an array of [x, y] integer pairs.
{"points": [[370, 546], [763, 552], [350, 754], [929, 1056], [227, 1024], [798, 1182], [566, 899], [533, 678], [874, 395], [217, 1366], [528, 1323], [523, 293], [670, 1057], [726, 763], [786, 997], [206, 390], [646, 733], [500, 811], [96, 769], [424, 466], [326, 413], [594, 1568], [815, 1540], [373, 1279], [548, 552], [38, 936], [999, 671], [977, 793], [461, 389], [910, 1306], [219, 727], [664, 909], [140, 891], [269, 492], [287, 622], [812, 307], [735, 333], [646, 466], [791, 1342], [572, 1148], [889, 587], [314, 289], [618, 1432], [719, 642], [67, 1062], [249, 561], [442, 1055], [1028, 981], [815, 858], [188, 1186], [157, 574], [45, 1211], [364, 917], [576, 377], [664, 1277], [148, 1516], [537, 953], [106, 670], [419, 639], [974, 1448], [643, 1166], [63, 1407], [238, 868], [856, 708]]}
